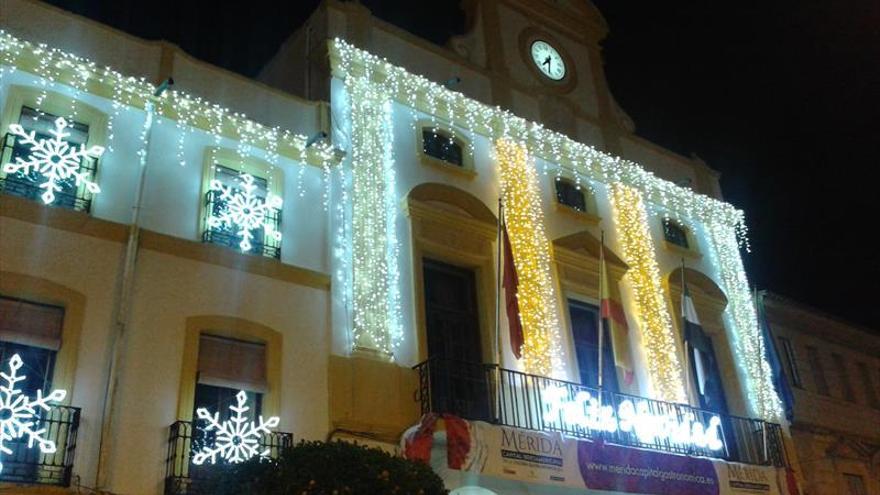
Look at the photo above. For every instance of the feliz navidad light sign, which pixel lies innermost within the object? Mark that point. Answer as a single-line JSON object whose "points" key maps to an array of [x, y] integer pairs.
{"points": [[585, 411]]}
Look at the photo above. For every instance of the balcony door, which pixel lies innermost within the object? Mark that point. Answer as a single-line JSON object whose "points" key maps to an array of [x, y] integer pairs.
{"points": [[459, 380], [585, 326], [712, 397]]}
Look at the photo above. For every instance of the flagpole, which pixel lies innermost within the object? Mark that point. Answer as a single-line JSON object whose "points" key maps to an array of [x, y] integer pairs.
{"points": [[496, 371], [763, 416], [601, 326], [687, 351], [499, 223]]}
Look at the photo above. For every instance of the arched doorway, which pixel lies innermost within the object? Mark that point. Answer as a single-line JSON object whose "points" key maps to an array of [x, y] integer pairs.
{"points": [[712, 381], [453, 235]]}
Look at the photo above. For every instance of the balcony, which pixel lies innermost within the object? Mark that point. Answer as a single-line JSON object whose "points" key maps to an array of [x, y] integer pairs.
{"points": [[184, 477], [70, 196], [29, 465], [486, 392]]}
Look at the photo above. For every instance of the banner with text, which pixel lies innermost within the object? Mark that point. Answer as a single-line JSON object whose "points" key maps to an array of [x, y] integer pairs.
{"points": [[554, 459]]}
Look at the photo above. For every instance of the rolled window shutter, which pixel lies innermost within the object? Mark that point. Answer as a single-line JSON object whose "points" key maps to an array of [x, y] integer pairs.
{"points": [[232, 364], [36, 325]]}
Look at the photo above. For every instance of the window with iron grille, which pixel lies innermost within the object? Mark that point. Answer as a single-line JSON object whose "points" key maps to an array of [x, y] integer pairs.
{"points": [[442, 147], [225, 367], [674, 233], [33, 332], [228, 235], [27, 185], [570, 194]]}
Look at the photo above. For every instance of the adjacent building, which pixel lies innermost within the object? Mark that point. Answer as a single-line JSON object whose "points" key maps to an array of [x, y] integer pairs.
{"points": [[323, 246], [833, 368]]}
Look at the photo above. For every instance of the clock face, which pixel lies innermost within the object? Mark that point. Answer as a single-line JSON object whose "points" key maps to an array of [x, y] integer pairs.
{"points": [[548, 60]]}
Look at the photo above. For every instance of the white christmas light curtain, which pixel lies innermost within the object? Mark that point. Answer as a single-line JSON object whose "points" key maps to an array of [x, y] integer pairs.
{"points": [[375, 270], [742, 324]]}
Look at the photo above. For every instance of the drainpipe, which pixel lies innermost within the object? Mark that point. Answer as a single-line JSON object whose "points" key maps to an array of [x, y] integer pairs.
{"points": [[123, 304]]}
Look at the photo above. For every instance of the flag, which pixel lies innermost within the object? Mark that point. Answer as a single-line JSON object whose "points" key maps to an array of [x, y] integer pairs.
{"points": [[780, 381], [511, 286], [614, 321], [695, 338]]}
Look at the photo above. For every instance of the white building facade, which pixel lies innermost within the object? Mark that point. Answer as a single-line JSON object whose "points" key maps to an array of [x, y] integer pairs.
{"points": [[335, 256]]}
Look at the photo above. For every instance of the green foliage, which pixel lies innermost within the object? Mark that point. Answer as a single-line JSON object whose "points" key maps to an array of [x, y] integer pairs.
{"points": [[322, 468]]}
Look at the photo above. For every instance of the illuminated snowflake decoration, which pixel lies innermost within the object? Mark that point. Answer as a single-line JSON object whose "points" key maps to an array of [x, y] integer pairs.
{"points": [[237, 438], [55, 159], [245, 211], [18, 413]]}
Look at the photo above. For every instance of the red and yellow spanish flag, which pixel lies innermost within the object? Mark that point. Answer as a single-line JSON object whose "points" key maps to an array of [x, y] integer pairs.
{"points": [[614, 320], [511, 286]]}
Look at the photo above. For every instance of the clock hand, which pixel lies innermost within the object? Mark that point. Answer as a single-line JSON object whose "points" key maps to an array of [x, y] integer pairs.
{"points": [[546, 61]]}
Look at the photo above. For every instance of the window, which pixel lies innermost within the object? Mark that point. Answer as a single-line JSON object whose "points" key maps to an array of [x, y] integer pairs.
{"points": [[855, 484], [868, 384], [225, 367], [818, 372], [33, 331], [264, 239], [585, 325], [27, 185], [570, 194], [675, 234], [790, 361], [846, 387], [441, 146]]}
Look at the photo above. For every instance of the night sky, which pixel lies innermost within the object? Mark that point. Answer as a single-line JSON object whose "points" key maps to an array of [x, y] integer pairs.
{"points": [[782, 97]]}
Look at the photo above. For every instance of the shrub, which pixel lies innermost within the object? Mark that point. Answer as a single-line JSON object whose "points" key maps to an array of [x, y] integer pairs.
{"points": [[322, 468]]}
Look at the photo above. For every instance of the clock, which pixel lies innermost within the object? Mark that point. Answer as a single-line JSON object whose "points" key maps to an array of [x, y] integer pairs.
{"points": [[548, 60]]}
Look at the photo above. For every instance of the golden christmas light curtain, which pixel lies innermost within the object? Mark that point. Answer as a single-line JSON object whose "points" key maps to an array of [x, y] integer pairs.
{"points": [[531, 253], [374, 252], [655, 323], [742, 324]]}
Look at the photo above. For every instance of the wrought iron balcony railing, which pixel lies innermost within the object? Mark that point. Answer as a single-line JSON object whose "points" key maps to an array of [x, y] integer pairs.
{"points": [[489, 393], [70, 196], [184, 477], [30, 465], [225, 236]]}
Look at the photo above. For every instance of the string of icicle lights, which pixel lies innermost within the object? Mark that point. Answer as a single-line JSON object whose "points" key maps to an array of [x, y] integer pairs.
{"points": [[661, 354], [742, 320], [563, 155], [531, 253], [56, 66]]}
